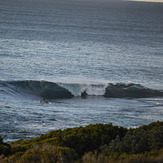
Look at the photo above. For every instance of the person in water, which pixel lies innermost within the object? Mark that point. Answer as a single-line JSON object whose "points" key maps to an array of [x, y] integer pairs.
{"points": [[44, 101]]}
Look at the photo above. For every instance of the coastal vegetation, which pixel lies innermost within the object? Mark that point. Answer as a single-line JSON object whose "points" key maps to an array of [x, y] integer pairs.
{"points": [[98, 143]]}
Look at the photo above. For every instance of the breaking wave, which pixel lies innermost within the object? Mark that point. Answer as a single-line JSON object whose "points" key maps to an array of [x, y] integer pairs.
{"points": [[51, 90]]}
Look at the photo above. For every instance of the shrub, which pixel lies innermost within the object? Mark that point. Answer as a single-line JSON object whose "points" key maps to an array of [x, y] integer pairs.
{"points": [[82, 139], [137, 141], [50, 154], [94, 157], [5, 148], [91, 137]]}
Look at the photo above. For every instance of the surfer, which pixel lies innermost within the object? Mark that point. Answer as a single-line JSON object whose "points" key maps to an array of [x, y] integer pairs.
{"points": [[44, 101]]}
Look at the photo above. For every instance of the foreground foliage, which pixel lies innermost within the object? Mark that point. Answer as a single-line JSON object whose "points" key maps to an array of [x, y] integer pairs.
{"points": [[5, 148], [147, 157], [93, 143]]}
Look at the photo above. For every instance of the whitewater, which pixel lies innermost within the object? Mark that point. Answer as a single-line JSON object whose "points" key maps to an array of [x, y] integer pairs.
{"points": [[93, 61]]}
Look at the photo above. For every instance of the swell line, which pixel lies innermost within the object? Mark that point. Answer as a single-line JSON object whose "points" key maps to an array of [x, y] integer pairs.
{"points": [[52, 90]]}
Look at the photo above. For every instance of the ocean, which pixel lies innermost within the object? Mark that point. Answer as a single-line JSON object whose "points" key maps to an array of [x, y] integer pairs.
{"points": [[94, 62]]}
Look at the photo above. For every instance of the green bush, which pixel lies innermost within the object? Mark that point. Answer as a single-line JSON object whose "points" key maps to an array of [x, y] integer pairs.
{"points": [[91, 137], [81, 139], [5, 148], [94, 157], [148, 157], [45, 154], [137, 141]]}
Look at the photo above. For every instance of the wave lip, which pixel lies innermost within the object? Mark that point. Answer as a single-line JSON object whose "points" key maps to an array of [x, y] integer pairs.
{"points": [[122, 90]]}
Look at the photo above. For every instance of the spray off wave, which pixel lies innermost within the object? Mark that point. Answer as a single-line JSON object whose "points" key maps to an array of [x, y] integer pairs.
{"points": [[52, 90]]}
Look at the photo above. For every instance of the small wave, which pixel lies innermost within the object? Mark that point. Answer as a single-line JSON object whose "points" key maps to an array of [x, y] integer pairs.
{"points": [[6, 106], [52, 90]]}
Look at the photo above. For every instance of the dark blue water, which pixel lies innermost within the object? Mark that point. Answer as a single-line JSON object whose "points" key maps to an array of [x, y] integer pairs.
{"points": [[94, 61]]}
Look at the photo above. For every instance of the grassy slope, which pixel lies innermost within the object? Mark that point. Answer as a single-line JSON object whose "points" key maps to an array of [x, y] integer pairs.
{"points": [[93, 143]]}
